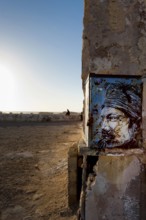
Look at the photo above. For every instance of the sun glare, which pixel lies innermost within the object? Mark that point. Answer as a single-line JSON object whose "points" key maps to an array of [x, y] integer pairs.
{"points": [[7, 84]]}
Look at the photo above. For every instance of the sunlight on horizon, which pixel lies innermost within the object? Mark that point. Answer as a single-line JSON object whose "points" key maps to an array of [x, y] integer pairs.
{"points": [[7, 85]]}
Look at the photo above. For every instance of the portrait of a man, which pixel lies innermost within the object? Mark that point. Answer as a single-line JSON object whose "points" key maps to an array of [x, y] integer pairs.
{"points": [[119, 116]]}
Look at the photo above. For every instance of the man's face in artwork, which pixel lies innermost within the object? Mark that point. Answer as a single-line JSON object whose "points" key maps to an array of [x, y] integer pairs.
{"points": [[116, 129]]}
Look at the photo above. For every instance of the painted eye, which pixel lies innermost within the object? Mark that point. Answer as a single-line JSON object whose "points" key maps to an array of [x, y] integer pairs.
{"points": [[113, 118]]}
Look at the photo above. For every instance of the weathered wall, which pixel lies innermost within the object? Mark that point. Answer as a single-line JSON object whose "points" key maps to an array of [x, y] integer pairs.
{"points": [[118, 189], [114, 43], [144, 113], [114, 37]]}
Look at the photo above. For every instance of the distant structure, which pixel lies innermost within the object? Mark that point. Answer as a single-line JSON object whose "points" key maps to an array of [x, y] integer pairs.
{"points": [[37, 117]]}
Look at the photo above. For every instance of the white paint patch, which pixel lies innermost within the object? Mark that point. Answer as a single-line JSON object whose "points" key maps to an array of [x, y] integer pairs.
{"points": [[144, 113], [130, 173], [128, 23], [100, 187], [100, 64]]}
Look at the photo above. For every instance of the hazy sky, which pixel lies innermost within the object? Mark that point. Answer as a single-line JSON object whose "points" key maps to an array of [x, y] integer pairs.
{"points": [[40, 55]]}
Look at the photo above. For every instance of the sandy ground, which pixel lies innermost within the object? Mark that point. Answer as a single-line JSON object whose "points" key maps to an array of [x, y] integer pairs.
{"points": [[33, 170]]}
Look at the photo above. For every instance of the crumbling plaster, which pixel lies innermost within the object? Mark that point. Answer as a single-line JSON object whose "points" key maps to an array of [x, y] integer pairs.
{"points": [[114, 43], [114, 37], [113, 195]]}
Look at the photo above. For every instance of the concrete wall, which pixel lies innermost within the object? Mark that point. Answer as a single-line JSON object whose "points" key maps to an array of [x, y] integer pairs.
{"points": [[114, 43], [114, 39], [118, 190]]}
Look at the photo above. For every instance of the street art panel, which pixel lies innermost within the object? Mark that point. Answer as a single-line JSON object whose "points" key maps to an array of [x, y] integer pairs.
{"points": [[115, 109]]}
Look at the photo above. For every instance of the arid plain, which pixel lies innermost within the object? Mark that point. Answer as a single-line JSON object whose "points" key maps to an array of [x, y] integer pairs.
{"points": [[33, 169]]}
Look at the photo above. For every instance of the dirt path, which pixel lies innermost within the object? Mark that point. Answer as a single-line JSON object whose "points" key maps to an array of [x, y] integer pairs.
{"points": [[33, 170]]}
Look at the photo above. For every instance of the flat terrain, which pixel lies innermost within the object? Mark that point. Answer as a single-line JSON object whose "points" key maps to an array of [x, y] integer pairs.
{"points": [[33, 169]]}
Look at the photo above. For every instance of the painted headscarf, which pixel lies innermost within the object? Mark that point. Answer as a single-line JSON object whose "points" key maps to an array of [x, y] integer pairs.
{"points": [[125, 97]]}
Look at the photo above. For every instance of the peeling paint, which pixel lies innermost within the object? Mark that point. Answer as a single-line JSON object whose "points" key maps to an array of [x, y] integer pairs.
{"points": [[100, 64]]}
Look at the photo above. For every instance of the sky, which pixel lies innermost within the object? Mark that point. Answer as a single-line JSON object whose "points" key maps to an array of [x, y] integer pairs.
{"points": [[40, 55]]}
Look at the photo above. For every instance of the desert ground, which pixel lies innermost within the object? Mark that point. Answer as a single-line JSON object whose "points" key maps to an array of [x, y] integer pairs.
{"points": [[33, 169]]}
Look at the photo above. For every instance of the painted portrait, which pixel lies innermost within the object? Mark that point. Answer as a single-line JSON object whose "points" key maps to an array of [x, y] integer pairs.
{"points": [[116, 106]]}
